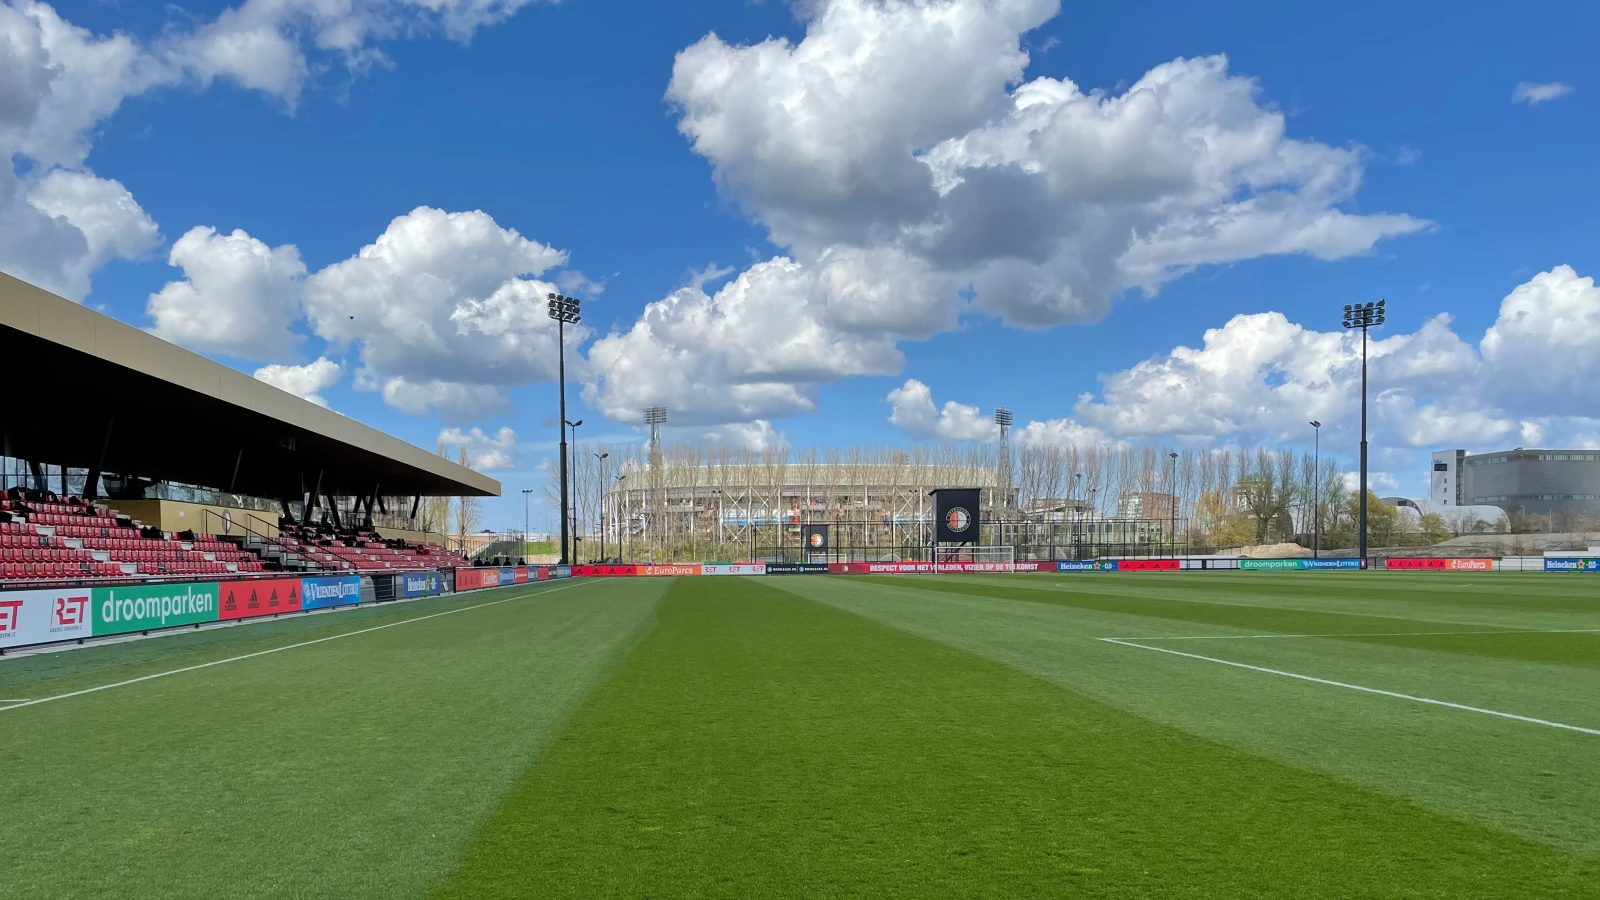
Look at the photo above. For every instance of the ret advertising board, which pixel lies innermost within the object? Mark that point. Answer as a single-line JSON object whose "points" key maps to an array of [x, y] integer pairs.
{"points": [[37, 617], [1571, 565], [121, 609], [330, 591], [733, 569], [262, 597], [805, 568]]}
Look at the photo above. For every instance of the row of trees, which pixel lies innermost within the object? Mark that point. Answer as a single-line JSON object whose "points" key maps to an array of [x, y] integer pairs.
{"points": [[451, 515]]}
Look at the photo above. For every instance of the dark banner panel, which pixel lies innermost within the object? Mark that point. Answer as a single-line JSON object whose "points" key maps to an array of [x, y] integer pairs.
{"points": [[956, 515], [783, 568], [815, 537]]}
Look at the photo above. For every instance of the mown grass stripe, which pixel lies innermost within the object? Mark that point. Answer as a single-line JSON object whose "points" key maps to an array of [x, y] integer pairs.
{"points": [[1577, 647], [258, 653], [1356, 687], [757, 744]]}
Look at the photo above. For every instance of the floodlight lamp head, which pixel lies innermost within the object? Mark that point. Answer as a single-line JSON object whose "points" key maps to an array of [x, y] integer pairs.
{"points": [[1002, 416], [655, 415], [1315, 424], [1346, 307]]}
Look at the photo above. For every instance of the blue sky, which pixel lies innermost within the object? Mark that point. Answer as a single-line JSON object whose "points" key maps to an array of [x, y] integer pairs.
{"points": [[858, 222]]}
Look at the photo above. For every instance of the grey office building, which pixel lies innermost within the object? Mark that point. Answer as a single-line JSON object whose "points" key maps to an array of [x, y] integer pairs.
{"points": [[1538, 482]]}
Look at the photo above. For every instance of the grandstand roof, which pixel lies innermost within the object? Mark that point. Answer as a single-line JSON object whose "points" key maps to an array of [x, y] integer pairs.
{"points": [[86, 391]]}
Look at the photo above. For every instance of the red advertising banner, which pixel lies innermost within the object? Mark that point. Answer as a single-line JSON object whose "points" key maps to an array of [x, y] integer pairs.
{"points": [[1148, 565], [521, 575], [597, 571], [263, 597], [681, 569], [1453, 565], [544, 573], [924, 568], [473, 579]]}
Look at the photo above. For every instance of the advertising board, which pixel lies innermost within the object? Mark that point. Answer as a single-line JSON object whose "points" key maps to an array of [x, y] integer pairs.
{"points": [[544, 573], [604, 571], [1571, 565], [560, 571], [521, 575], [473, 579], [1148, 565], [1269, 565], [805, 568], [1351, 563], [330, 591], [1086, 565], [733, 569], [414, 584], [121, 609], [880, 568], [35, 617], [1453, 565], [262, 597], [507, 576], [679, 569]]}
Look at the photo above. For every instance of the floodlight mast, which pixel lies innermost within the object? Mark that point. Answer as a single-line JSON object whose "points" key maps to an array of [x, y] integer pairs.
{"points": [[1363, 317], [565, 311]]}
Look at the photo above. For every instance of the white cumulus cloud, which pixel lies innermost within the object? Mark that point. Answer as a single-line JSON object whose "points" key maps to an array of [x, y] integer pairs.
{"points": [[913, 410], [1532, 377], [914, 174], [486, 454], [239, 296], [306, 382], [442, 312]]}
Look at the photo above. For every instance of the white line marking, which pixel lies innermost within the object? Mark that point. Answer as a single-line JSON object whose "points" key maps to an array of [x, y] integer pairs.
{"points": [[1234, 637], [218, 662], [1366, 690]]}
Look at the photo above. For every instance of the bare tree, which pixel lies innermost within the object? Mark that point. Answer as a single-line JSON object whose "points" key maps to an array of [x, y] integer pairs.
{"points": [[467, 508]]}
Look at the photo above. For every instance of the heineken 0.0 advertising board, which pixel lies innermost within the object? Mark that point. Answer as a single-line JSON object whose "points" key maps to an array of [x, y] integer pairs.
{"points": [[142, 607]]}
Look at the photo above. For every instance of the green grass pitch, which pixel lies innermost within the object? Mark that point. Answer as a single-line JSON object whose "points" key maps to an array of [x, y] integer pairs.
{"points": [[1298, 735]]}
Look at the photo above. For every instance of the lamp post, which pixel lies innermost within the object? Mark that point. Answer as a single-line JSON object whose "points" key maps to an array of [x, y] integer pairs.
{"points": [[1363, 317], [569, 513], [524, 546], [1172, 500], [601, 458], [565, 311], [1316, 489]]}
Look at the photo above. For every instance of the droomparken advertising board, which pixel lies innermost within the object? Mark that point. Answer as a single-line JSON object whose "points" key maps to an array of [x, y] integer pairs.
{"points": [[121, 609]]}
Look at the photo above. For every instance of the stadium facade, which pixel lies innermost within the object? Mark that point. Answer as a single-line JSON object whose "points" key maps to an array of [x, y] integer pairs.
{"points": [[1534, 482], [873, 511]]}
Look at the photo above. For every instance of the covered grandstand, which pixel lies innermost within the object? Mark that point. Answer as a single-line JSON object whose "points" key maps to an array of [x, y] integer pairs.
{"points": [[126, 457]]}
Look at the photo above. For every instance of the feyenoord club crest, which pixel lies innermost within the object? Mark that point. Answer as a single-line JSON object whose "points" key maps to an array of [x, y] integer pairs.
{"points": [[817, 540], [958, 520]]}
